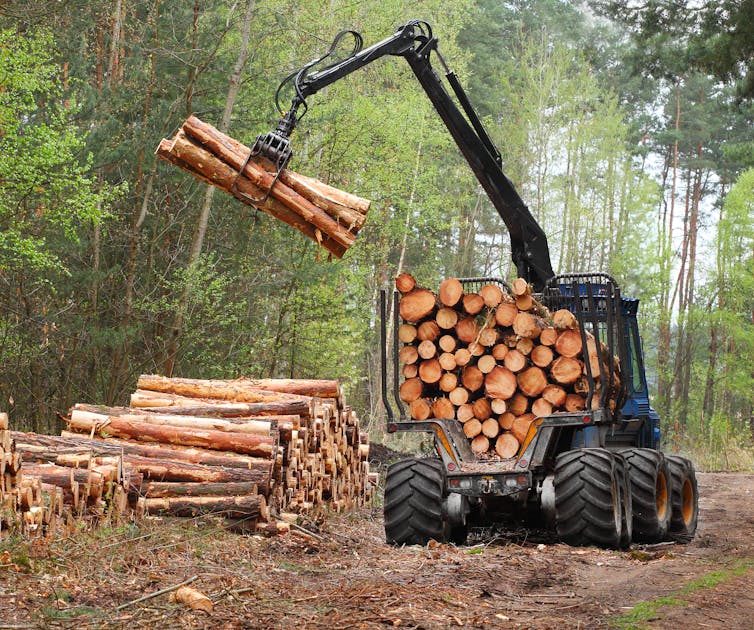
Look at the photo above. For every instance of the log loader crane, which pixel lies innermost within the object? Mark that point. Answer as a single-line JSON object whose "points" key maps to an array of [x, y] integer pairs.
{"points": [[597, 476]]}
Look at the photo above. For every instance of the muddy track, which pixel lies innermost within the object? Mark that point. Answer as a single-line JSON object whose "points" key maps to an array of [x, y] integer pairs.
{"points": [[344, 576]]}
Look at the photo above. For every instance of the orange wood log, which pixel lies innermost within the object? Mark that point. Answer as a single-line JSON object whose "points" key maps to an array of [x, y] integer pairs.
{"points": [[448, 382], [482, 409], [420, 409], [506, 446], [492, 295], [518, 404], [465, 412], [472, 378], [430, 371], [446, 318], [450, 292], [416, 305], [541, 356], [532, 381], [443, 408], [405, 282], [514, 361], [480, 444], [448, 343], [473, 303], [505, 314], [568, 343], [408, 355], [428, 331], [406, 333], [467, 330], [565, 370], [411, 389], [500, 383]]}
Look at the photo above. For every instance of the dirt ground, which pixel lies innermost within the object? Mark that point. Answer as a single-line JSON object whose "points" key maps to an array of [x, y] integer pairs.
{"points": [[344, 576]]}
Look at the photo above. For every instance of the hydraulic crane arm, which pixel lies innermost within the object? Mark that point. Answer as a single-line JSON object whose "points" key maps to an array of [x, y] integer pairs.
{"points": [[414, 42]]}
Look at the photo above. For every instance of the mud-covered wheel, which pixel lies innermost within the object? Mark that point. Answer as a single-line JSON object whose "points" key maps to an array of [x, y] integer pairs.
{"points": [[626, 535], [684, 497], [649, 479], [413, 502], [588, 498]]}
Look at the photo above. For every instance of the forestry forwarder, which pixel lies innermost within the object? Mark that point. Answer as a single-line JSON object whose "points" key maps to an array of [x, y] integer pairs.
{"points": [[597, 476]]}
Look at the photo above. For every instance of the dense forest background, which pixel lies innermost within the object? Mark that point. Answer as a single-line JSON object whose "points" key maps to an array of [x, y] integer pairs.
{"points": [[627, 131]]}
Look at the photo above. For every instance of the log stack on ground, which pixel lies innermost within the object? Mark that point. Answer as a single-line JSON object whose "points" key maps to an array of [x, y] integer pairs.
{"points": [[495, 361], [251, 451], [327, 215]]}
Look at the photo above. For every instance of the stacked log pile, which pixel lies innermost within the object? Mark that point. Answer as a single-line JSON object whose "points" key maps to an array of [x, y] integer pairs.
{"points": [[493, 360], [327, 215], [257, 452]]}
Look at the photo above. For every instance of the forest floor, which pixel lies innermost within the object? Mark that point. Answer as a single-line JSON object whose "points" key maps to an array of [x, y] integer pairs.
{"points": [[344, 576]]}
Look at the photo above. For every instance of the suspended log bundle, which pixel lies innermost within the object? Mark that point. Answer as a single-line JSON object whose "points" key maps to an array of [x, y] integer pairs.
{"points": [[327, 215], [247, 450], [494, 361]]}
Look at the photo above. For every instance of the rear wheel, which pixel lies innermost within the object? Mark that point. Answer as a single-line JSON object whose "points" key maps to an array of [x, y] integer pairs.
{"points": [[650, 483], [588, 498], [684, 498], [413, 502]]}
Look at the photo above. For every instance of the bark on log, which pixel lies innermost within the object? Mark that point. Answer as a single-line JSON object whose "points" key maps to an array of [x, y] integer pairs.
{"points": [[248, 507], [257, 445], [238, 390]]}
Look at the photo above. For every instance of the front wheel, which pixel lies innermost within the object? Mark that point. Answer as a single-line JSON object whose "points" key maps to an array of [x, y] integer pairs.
{"points": [[413, 502]]}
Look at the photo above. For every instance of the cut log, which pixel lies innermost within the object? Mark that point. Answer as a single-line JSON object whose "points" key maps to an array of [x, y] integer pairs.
{"points": [[450, 292], [486, 363], [518, 404], [541, 407], [420, 409], [541, 356], [480, 444], [472, 378], [525, 346], [514, 361], [498, 406], [405, 282], [430, 371], [482, 409], [427, 349], [564, 320], [241, 389], [408, 355], [447, 343], [473, 303], [574, 402], [410, 370], [548, 336], [446, 318], [411, 389], [443, 408], [500, 383], [448, 382], [521, 426], [488, 337], [99, 414], [565, 370], [465, 412], [428, 331], [506, 422], [524, 302], [472, 428], [505, 314], [185, 153], [490, 428], [491, 294], [532, 381], [258, 445], [520, 287], [463, 356], [416, 305], [568, 343], [167, 489], [459, 396], [499, 351], [476, 349], [249, 507], [467, 330], [447, 361], [527, 325], [406, 333], [555, 395], [506, 446]]}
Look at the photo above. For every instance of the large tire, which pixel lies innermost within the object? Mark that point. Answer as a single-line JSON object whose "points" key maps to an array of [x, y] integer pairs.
{"points": [[413, 502], [684, 497], [588, 498], [626, 503], [649, 478]]}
